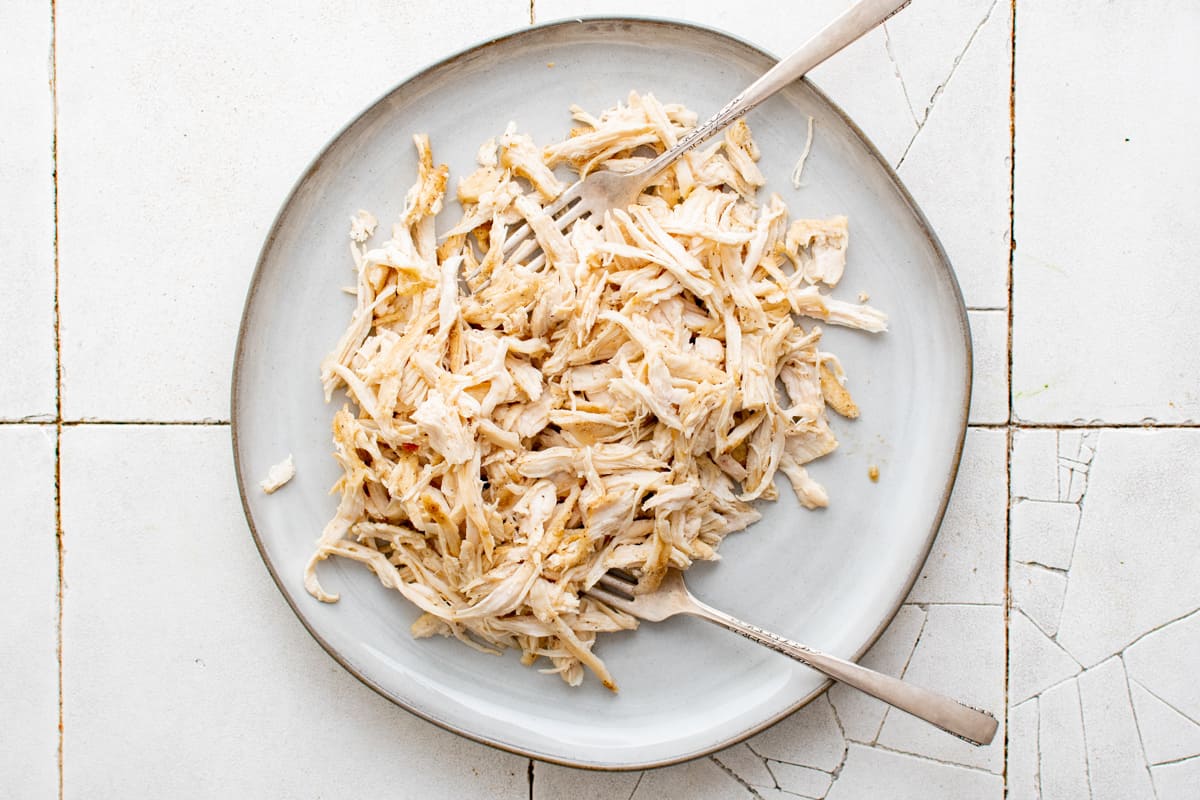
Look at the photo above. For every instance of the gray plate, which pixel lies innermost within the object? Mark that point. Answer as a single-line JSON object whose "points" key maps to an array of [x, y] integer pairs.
{"points": [[832, 579]]}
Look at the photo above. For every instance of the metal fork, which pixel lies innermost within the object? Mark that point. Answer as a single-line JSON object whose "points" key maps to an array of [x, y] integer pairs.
{"points": [[603, 190], [672, 597]]}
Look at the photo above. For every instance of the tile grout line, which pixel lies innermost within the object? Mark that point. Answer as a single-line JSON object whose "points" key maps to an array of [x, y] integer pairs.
{"points": [[1094, 425], [58, 415], [1010, 434]]}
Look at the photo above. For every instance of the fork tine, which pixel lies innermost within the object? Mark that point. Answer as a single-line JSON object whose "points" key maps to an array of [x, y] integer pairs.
{"points": [[575, 212], [522, 233], [616, 601], [569, 195], [623, 575], [529, 244], [515, 238], [614, 583], [521, 244]]}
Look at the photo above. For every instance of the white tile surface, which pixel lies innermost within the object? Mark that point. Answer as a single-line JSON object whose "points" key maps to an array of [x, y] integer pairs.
{"points": [[746, 764], [1042, 532], [966, 564], [183, 664], [961, 652], [1154, 661], [1035, 661], [1062, 767], [989, 351], [26, 212], [29, 622], [1124, 581], [803, 781], [702, 779], [552, 782], [1167, 735], [1128, 609], [778, 794], [961, 72], [1022, 767], [1035, 464], [1076, 450], [1039, 593], [179, 136], [809, 738], [951, 28], [870, 773], [1103, 144], [1116, 766], [1177, 781], [860, 714]]}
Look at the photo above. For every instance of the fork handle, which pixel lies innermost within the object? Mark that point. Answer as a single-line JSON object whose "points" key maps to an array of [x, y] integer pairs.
{"points": [[851, 25], [971, 724]]}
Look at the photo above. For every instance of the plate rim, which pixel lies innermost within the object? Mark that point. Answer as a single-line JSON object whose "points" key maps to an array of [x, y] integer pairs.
{"points": [[918, 563]]}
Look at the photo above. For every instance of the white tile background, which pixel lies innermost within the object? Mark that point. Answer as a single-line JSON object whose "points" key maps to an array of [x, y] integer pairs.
{"points": [[143, 149]]}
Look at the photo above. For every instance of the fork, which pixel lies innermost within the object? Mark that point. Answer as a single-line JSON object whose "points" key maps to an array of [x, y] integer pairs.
{"points": [[603, 190], [672, 597]]}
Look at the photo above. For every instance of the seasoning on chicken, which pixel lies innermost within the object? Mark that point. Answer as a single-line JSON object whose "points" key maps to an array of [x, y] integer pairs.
{"points": [[514, 432]]}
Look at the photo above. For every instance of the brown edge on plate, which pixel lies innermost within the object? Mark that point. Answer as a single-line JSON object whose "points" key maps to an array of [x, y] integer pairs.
{"points": [[918, 564]]}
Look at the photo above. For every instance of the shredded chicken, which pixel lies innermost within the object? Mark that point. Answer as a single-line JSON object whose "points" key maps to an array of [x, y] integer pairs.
{"points": [[513, 433], [278, 475], [362, 226], [798, 171]]}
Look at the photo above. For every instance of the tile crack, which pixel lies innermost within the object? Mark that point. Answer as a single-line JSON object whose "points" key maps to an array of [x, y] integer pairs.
{"points": [[771, 772], [1166, 703], [1042, 566], [891, 54], [1087, 767], [636, 784], [1177, 761], [1137, 725], [837, 720], [935, 760], [903, 668], [1158, 628], [741, 781], [1037, 742], [941, 87]]}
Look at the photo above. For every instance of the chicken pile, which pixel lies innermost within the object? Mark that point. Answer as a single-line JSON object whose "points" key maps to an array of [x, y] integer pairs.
{"points": [[518, 429]]}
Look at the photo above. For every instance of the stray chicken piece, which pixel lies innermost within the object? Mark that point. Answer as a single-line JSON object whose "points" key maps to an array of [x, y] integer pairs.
{"points": [[873, 473], [798, 171], [278, 475], [835, 394], [512, 432]]}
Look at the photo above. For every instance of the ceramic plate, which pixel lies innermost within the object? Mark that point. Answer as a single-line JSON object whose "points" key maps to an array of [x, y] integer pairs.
{"points": [[832, 579]]}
